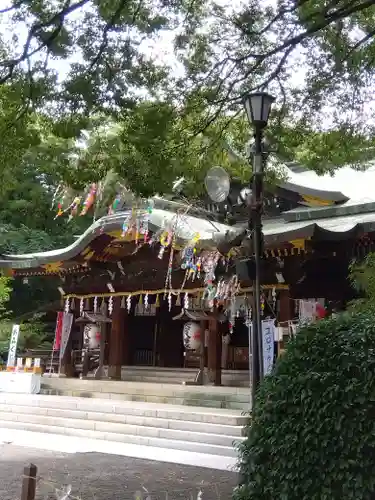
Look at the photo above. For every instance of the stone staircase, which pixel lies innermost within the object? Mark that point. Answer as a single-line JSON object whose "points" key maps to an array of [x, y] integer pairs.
{"points": [[174, 427], [231, 398], [232, 378]]}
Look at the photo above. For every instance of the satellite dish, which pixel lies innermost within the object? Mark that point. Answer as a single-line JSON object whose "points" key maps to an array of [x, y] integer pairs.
{"points": [[217, 184]]}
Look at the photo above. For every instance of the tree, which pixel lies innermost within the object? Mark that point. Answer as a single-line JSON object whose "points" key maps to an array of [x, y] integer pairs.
{"points": [[315, 55], [312, 434]]}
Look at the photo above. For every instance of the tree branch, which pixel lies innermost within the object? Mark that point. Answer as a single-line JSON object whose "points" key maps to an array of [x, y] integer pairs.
{"points": [[58, 19], [106, 31]]}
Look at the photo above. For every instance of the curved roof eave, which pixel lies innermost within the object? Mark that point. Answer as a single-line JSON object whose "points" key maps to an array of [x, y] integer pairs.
{"points": [[211, 234]]}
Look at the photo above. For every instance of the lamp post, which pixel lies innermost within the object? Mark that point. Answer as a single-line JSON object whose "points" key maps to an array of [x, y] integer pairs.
{"points": [[258, 107]]}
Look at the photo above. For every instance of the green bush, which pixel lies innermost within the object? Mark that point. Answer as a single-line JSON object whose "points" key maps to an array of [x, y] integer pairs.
{"points": [[312, 434]]}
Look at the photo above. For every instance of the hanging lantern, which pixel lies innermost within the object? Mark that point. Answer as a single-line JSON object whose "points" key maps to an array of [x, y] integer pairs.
{"points": [[192, 335], [91, 336]]}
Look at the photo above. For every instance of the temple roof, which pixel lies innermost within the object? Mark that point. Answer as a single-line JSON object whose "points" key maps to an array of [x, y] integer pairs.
{"points": [[344, 209]]}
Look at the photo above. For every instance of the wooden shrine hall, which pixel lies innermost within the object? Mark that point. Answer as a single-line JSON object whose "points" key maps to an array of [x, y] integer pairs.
{"points": [[132, 292]]}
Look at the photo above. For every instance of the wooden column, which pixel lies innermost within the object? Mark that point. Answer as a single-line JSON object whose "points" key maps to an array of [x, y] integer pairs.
{"points": [[116, 340], [285, 309], [214, 351]]}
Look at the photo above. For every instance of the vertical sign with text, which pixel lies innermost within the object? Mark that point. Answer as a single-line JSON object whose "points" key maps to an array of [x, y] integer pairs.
{"points": [[268, 335], [13, 346]]}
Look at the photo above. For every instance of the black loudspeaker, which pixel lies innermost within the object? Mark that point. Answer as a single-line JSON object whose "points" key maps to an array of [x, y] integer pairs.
{"points": [[245, 270]]}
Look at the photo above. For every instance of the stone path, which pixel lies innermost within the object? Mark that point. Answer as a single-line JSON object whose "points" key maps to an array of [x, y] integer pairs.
{"points": [[96, 476]]}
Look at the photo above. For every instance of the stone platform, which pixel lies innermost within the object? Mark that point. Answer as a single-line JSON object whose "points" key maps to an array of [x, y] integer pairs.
{"points": [[232, 398]]}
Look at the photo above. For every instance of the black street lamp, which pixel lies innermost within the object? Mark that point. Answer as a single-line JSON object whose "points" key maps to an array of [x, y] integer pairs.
{"points": [[258, 107]]}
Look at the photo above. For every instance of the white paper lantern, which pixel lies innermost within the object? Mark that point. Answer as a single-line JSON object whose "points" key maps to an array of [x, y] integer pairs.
{"points": [[192, 335], [91, 336]]}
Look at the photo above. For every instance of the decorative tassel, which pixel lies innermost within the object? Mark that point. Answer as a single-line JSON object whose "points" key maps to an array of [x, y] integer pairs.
{"points": [[146, 301], [67, 305], [186, 301], [103, 307], [169, 301], [110, 305], [81, 307], [95, 305], [129, 303], [123, 304]]}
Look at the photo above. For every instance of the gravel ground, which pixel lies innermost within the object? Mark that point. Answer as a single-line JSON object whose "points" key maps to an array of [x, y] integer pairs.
{"points": [[96, 476]]}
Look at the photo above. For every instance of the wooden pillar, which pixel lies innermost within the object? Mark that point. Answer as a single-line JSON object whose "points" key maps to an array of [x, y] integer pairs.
{"points": [[285, 307], [214, 351], [116, 340]]}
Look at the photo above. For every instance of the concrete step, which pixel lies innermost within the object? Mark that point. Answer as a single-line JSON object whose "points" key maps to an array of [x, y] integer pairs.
{"points": [[216, 397], [227, 451], [125, 408], [120, 428], [213, 432], [7, 412]]}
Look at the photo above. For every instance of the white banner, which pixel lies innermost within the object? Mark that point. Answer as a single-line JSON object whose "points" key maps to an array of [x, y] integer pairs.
{"points": [[268, 335], [65, 332], [13, 346]]}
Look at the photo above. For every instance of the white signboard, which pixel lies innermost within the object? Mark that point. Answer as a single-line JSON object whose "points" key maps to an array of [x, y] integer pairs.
{"points": [[268, 335], [13, 346], [65, 332]]}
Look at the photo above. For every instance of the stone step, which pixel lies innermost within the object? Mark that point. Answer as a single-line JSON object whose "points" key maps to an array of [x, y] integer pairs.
{"points": [[230, 405], [121, 428], [127, 408], [7, 411], [237, 398], [197, 447]]}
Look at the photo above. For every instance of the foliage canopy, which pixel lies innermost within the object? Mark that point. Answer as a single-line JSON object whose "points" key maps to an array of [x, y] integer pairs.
{"points": [[64, 62]]}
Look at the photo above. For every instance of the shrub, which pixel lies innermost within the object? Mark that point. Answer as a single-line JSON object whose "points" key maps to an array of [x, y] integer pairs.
{"points": [[312, 434]]}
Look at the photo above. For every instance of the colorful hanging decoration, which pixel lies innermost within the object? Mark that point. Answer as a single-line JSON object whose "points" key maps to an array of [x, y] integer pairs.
{"points": [[262, 304], [73, 207], [190, 262], [90, 199], [129, 303], [115, 205], [126, 225], [146, 301], [165, 242], [67, 305]]}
